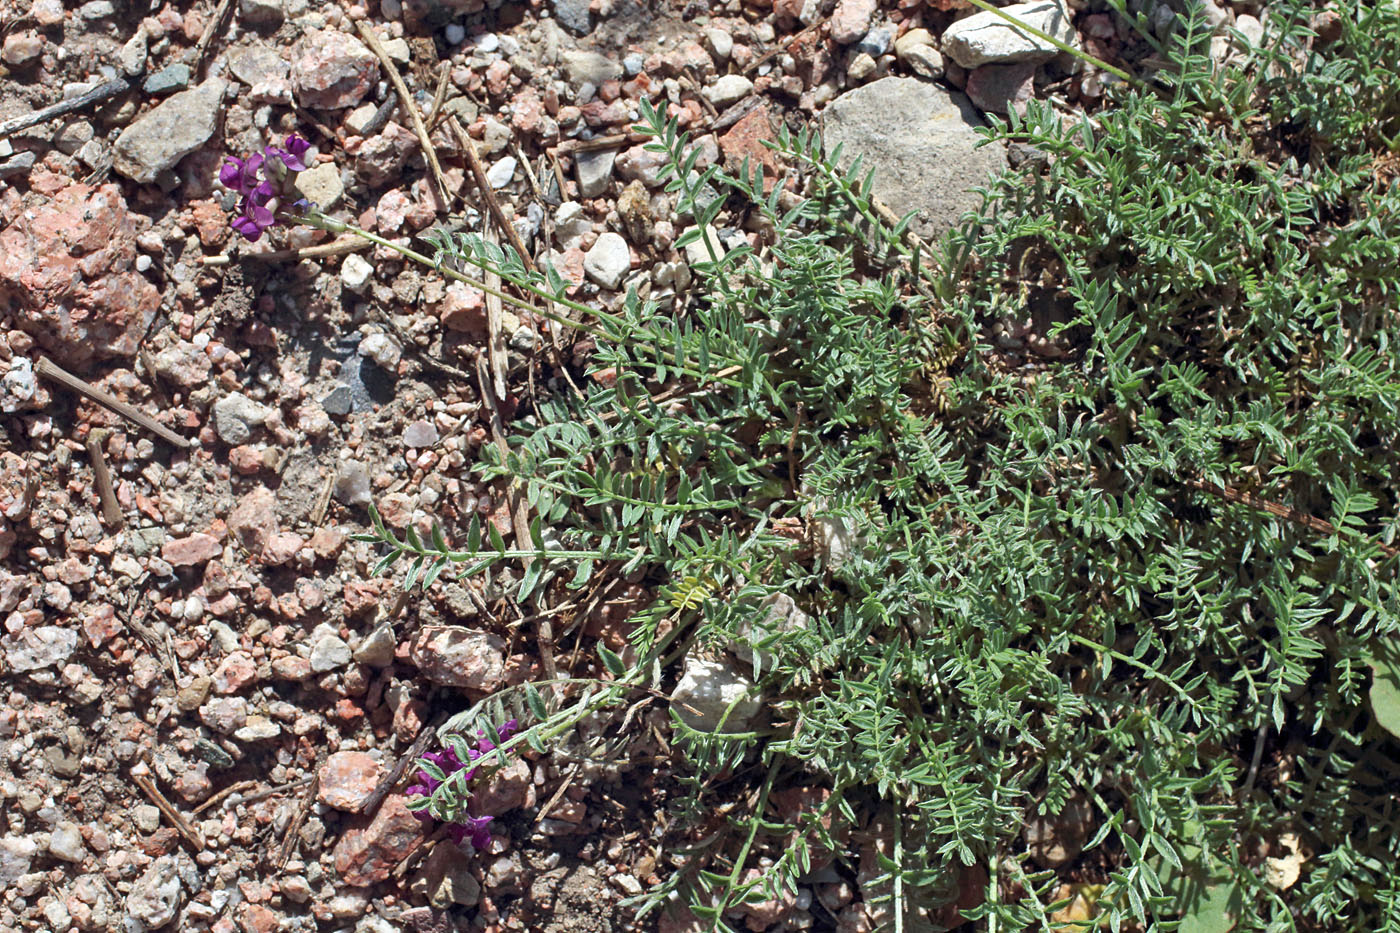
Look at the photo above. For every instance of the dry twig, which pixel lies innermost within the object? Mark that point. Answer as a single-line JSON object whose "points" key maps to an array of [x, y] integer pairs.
{"points": [[226, 792], [53, 372], [44, 114], [387, 783], [1279, 511], [294, 827], [207, 36], [348, 244], [367, 33], [141, 777], [102, 479]]}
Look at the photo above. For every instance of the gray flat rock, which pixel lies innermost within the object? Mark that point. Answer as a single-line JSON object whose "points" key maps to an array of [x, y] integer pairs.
{"points": [[168, 132], [922, 142], [985, 38]]}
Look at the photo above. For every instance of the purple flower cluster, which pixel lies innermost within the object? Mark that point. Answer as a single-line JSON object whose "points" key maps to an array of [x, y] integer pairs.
{"points": [[471, 828], [263, 179]]}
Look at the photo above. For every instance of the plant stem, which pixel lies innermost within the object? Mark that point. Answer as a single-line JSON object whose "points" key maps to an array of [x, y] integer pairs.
{"points": [[321, 222]]}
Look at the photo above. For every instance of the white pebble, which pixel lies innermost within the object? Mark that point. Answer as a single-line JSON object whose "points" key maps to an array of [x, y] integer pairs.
{"points": [[454, 33], [355, 273], [501, 172]]}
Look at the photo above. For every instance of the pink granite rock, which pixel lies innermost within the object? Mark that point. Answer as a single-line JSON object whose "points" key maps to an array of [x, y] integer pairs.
{"points": [[254, 520], [851, 20], [459, 657], [67, 275], [332, 70], [347, 779], [235, 672], [366, 856], [191, 550]]}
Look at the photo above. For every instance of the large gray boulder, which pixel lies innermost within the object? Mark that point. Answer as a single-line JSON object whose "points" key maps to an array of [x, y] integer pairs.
{"points": [[922, 142]]}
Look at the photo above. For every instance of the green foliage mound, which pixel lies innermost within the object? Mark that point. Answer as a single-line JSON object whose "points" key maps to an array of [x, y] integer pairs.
{"points": [[1090, 509]]}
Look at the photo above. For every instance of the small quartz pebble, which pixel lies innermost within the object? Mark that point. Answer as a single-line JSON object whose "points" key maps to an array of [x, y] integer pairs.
{"points": [[322, 186], [235, 416], [133, 54], [608, 261], [501, 172], [728, 90], [708, 690], [66, 842], [328, 650], [47, 12], [721, 43], [593, 68], [352, 483], [915, 50], [146, 817], [383, 350], [355, 273], [155, 897], [377, 648], [16, 855], [21, 48], [420, 434], [258, 729]]}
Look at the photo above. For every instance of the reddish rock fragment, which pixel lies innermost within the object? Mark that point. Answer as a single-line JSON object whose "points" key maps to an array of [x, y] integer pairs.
{"points": [[332, 70], [459, 657], [234, 673], [192, 550], [67, 273], [366, 856], [745, 140], [259, 919], [347, 780], [508, 788], [254, 519], [851, 20]]}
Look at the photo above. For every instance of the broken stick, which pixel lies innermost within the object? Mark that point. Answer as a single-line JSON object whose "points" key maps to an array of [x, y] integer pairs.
{"points": [[429, 153], [348, 244], [44, 114], [141, 777], [52, 371], [102, 479]]}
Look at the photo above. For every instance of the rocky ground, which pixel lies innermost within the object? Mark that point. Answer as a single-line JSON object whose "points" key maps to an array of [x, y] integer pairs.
{"points": [[202, 683]]}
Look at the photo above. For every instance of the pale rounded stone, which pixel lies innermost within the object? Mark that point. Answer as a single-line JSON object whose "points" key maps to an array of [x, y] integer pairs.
{"points": [[608, 261]]}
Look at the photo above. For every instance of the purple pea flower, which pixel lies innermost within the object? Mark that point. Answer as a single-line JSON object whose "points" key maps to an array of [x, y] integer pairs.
{"points": [[473, 829], [262, 179], [242, 174]]}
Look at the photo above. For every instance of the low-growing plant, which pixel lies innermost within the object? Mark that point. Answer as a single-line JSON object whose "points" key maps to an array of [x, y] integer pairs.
{"points": [[1142, 570]]}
